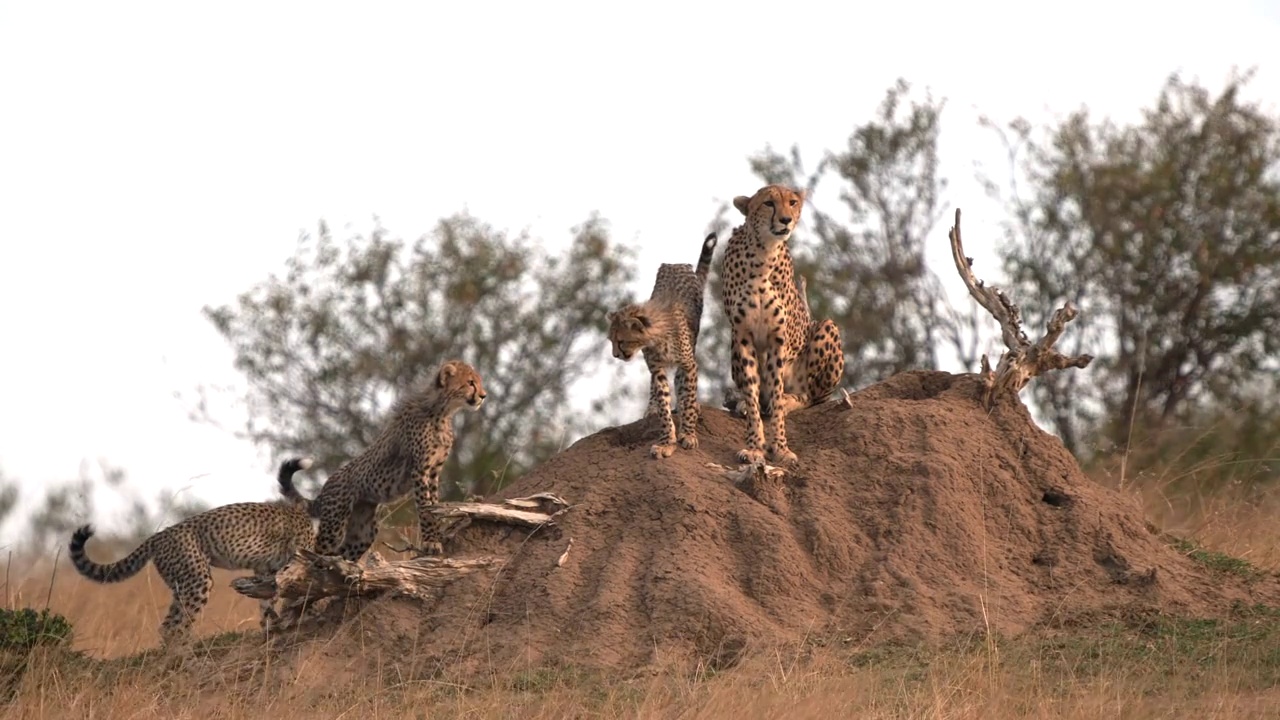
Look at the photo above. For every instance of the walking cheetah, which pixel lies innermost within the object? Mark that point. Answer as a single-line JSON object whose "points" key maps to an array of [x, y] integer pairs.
{"points": [[257, 536], [406, 457], [665, 328], [776, 347]]}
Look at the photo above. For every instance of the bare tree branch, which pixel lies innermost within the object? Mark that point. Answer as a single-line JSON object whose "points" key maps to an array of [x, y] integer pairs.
{"points": [[1024, 360]]}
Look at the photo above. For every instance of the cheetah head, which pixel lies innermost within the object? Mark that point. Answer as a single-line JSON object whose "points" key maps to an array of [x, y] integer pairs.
{"points": [[773, 212], [630, 329], [462, 384]]}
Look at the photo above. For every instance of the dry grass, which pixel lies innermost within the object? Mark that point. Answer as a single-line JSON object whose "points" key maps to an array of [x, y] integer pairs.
{"points": [[1150, 668]]}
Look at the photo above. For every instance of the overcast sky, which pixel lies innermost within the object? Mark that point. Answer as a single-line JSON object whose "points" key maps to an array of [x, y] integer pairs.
{"points": [[156, 158]]}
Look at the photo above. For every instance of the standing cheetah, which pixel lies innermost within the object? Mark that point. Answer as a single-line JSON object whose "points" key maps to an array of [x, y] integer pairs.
{"points": [[775, 345], [666, 329], [406, 457], [261, 537]]}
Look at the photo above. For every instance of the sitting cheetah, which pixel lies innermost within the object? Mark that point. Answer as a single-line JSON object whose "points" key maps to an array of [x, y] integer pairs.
{"points": [[406, 457], [257, 536], [776, 347], [665, 328]]}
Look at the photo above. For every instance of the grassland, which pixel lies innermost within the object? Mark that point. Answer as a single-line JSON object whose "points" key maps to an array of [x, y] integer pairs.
{"points": [[1137, 667]]}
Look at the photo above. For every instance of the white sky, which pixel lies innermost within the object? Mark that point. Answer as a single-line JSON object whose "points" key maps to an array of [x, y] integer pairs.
{"points": [[155, 158]]}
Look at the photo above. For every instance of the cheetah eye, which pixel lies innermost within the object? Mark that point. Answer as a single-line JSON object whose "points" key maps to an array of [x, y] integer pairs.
{"points": [[768, 203], [793, 202]]}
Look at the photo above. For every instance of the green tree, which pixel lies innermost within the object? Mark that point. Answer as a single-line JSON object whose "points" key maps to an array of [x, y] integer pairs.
{"points": [[327, 348], [1166, 233], [866, 270]]}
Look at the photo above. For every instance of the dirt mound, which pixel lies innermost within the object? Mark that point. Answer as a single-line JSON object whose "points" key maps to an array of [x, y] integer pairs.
{"points": [[914, 514]]}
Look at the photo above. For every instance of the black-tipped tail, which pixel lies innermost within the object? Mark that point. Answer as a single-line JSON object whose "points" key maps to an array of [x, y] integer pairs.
{"points": [[285, 478], [704, 260], [111, 572]]}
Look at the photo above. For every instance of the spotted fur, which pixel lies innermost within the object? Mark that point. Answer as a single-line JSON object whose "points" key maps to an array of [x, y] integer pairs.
{"points": [[405, 458], [258, 536], [665, 328], [781, 360]]}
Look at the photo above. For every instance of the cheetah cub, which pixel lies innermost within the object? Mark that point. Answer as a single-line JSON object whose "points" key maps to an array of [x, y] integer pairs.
{"points": [[257, 536], [665, 328], [781, 359], [405, 458]]}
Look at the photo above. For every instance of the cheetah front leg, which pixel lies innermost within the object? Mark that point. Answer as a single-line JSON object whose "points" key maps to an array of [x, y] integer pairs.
{"points": [[660, 402], [687, 386], [426, 495], [772, 407], [747, 378]]}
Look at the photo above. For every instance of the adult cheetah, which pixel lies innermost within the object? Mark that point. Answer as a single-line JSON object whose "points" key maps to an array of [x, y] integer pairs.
{"points": [[665, 329], [257, 536], [406, 457], [781, 360]]}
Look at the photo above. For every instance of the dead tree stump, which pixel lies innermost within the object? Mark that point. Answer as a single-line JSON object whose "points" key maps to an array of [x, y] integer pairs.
{"points": [[1024, 359]]}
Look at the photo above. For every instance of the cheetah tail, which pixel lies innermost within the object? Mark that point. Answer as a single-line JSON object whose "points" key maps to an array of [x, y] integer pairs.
{"points": [[111, 572], [285, 478], [704, 260]]}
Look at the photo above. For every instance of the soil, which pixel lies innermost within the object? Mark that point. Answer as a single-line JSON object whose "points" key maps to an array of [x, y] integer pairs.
{"points": [[913, 515]]}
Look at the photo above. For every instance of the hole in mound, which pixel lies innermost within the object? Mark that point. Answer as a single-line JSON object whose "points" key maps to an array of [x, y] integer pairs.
{"points": [[1056, 498]]}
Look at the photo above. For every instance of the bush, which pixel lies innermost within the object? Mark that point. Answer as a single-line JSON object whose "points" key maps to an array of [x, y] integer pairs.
{"points": [[25, 629]]}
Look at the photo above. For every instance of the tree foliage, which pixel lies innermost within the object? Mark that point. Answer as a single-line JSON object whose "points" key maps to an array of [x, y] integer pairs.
{"points": [[865, 265], [328, 347], [1166, 233]]}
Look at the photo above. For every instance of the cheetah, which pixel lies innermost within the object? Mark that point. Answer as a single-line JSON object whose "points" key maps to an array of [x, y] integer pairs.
{"points": [[666, 328], [776, 346], [406, 457], [258, 536]]}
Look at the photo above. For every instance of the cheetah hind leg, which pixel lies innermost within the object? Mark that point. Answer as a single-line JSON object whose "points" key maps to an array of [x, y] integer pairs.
{"points": [[687, 385], [825, 359]]}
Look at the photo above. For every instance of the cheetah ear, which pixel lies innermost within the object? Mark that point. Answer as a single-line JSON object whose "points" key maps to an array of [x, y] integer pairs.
{"points": [[644, 320], [611, 316], [447, 371], [804, 195], [741, 203]]}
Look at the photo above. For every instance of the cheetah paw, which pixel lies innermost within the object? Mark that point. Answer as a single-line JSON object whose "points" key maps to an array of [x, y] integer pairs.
{"points": [[429, 549], [790, 403], [751, 456], [689, 442], [663, 450], [782, 455]]}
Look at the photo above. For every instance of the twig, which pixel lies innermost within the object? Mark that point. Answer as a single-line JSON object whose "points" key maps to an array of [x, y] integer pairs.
{"points": [[53, 575], [565, 555]]}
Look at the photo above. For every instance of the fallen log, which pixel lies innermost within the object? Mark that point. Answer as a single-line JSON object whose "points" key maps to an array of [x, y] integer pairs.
{"points": [[310, 577], [532, 511]]}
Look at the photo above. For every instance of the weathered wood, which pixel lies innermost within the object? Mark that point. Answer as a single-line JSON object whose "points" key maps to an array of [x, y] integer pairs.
{"points": [[761, 481], [1024, 359], [311, 577], [532, 511]]}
